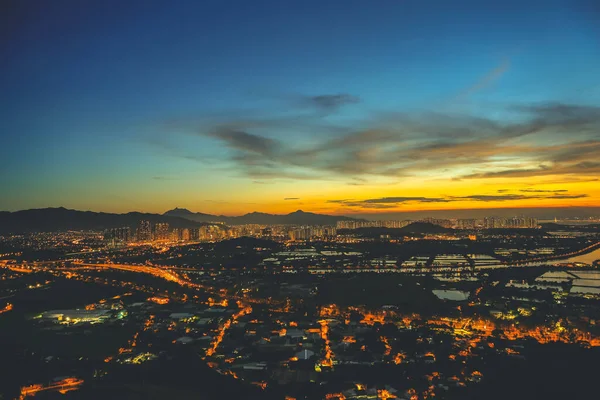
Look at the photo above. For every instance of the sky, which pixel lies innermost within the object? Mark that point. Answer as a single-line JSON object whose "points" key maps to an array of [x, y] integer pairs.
{"points": [[339, 107]]}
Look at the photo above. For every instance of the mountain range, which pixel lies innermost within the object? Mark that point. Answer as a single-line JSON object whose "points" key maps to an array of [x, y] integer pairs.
{"points": [[62, 219], [295, 218]]}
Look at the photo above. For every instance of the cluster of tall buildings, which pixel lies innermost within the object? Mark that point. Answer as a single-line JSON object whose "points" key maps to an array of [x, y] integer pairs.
{"points": [[391, 223], [371, 224], [467, 223], [144, 232], [514, 222], [118, 235], [312, 232], [254, 230], [162, 232], [464, 223]]}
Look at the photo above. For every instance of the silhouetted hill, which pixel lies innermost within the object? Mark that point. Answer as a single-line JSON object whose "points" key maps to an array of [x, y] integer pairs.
{"points": [[62, 219], [424, 227], [192, 216], [411, 229], [551, 226], [296, 218]]}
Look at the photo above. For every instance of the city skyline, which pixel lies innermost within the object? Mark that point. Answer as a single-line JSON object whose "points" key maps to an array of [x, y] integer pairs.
{"points": [[573, 213], [301, 199], [343, 108]]}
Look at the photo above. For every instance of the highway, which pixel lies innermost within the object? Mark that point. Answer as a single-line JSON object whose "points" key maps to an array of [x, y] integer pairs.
{"points": [[559, 257], [63, 386]]}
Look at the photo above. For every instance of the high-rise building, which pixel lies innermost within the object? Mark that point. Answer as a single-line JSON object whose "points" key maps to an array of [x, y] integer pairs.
{"points": [[469, 223], [514, 222], [185, 234], [317, 232], [162, 231], [144, 232], [371, 224], [216, 232], [395, 224], [194, 234], [266, 232], [299, 234], [346, 225], [118, 236]]}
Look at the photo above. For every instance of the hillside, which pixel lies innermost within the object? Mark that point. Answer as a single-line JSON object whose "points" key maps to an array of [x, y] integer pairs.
{"points": [[62, 219], [295, 218], [424, 227]]}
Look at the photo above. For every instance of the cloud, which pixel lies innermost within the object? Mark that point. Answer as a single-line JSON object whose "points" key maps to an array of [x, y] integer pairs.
{"points": [[393, 202], [588, 165], [505, 197], [563, 114], [244, 141], [292, 198], [537, 140], [387, 202], [339, 201], [330, 102], [320, 104], [568, 196], [407, 199], [555, 168], [487, 80], [543, 191], [509, 197]]}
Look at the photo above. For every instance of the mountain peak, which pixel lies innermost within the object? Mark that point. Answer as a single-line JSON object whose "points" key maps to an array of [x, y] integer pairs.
{"points": [[298, 217], [180, 210]]}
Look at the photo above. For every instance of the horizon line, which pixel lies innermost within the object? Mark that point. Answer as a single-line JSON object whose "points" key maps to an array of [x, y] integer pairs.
{"points": [[449, 210]]}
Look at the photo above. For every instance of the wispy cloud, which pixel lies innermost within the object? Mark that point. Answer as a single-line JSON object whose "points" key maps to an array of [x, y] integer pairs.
{"points": [[292, 198], [487, 80], [330, 102], [539, 140], [245, 142], [393, 202], [543, 191], [509, 197]]}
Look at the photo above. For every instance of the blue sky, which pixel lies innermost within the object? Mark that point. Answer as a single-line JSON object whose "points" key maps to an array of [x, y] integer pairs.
{"points": [[108, 104]]}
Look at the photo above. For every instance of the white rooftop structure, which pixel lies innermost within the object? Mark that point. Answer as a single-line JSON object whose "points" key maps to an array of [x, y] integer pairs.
{"points": [[184, 340], [454, 295], [305, 354], [181, 315]]}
